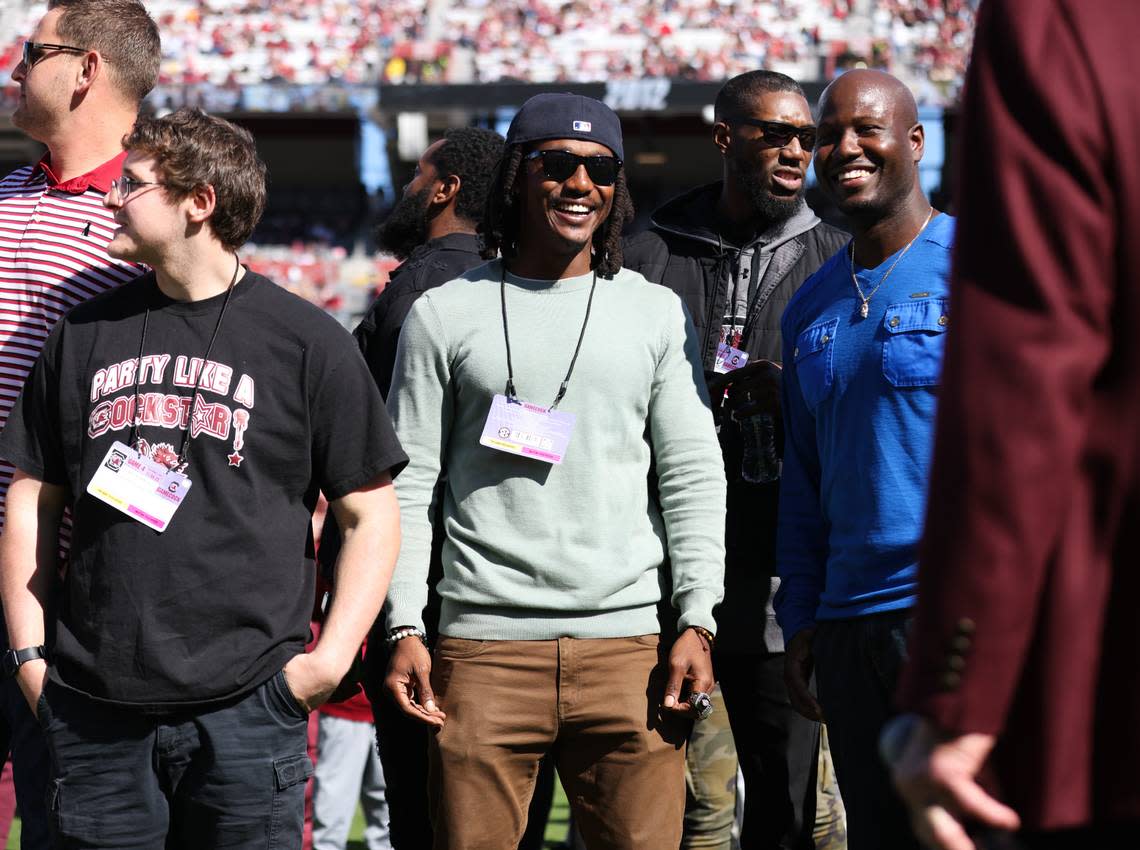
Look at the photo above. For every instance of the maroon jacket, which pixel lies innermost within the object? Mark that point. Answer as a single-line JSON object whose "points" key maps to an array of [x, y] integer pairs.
{"points": [[1028, 621]]}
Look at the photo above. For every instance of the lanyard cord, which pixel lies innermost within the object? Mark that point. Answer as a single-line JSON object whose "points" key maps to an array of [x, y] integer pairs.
{"points": [[735, 272], [507, 337], [186, 438]]}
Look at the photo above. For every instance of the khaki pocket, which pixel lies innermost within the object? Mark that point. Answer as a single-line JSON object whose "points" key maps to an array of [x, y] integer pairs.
{"points": [[458, 648]]}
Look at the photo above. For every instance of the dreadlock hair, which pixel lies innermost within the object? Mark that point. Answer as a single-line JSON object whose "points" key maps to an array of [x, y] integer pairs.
{"points": [[500, 227], [500, 224]]}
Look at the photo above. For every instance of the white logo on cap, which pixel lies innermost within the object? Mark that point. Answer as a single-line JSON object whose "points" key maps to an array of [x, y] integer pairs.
{"points": [[582, 126]]}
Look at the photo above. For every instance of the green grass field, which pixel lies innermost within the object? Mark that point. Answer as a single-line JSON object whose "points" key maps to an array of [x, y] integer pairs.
{"points": [[555, 828]]}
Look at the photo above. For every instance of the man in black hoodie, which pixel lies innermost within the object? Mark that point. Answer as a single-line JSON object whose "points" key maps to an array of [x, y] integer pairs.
{"points": [[736, 251]]}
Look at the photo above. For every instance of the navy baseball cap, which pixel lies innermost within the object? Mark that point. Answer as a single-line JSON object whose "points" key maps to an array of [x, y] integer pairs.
{"points": [[563, 115]]}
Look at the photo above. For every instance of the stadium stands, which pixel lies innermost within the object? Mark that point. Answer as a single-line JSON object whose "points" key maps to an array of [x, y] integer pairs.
{"points": [[234, 43]]}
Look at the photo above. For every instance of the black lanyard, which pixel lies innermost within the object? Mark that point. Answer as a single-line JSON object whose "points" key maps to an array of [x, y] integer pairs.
{"points": [[507, 336], [186, 437]]}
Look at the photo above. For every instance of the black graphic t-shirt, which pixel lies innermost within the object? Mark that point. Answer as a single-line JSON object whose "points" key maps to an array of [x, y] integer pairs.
{"points": [[219, 601]]}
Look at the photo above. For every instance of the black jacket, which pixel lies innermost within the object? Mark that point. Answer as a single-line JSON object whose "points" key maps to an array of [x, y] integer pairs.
{"points": [[682, 251], [430, 265]]}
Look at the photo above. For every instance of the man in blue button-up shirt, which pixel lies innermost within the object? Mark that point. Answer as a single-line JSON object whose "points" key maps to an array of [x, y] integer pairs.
{"points": [[863, 341]]}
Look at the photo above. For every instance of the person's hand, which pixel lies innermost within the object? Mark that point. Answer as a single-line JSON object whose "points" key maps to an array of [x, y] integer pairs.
{"points": [[752, 389], [31, 677], [690, 660], [311, 680], [798, 664], [935, 776], [408, 682]]}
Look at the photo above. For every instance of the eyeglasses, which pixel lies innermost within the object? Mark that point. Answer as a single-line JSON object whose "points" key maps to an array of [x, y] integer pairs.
{"points": [[34, 51], [561, 165], [125, 185], [781, 135]]}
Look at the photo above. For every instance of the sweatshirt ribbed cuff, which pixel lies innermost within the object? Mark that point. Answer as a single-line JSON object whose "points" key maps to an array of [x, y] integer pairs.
{"points": [[696, 607]]}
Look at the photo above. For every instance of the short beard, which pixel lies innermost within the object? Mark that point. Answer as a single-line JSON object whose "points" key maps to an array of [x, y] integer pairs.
{"points": [[406, 227], [770, 208]]}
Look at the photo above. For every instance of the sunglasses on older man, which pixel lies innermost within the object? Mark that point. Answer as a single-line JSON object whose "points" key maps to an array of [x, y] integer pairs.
{"points": [[781, 135], [34, 51], [561, 165]]}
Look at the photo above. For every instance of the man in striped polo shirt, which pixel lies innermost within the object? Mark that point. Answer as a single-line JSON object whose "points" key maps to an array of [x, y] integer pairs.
{"points": [[84, 71]]}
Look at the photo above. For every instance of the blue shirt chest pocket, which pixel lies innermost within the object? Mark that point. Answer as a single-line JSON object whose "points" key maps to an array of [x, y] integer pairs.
{"points": [[812, 355], [915, 341]]}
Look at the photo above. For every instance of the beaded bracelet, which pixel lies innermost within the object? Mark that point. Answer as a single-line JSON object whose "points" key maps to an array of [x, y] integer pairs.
{"points": [[705, 633], [397, 635]]}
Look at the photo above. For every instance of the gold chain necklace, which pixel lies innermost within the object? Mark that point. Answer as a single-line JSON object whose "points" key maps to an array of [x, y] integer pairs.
{"points": [[865, 300]]}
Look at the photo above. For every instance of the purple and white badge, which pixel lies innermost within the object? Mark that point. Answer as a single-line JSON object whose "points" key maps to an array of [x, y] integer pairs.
{"points": [[729, 359], [525, 429], [143, 489]]}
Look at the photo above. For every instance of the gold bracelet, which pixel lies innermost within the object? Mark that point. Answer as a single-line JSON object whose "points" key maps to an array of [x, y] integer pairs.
{"points": [[706, 634]]}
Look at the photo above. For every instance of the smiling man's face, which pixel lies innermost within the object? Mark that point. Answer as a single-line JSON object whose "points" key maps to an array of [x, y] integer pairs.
{"points": [[563, 215], [868, 150]]}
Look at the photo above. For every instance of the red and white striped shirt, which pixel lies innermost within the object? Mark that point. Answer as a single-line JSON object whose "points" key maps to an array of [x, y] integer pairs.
{"points": [[53, 255]]}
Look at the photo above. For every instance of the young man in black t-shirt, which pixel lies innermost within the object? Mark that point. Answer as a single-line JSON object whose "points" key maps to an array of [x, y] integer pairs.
{"points": [[189, 420]]}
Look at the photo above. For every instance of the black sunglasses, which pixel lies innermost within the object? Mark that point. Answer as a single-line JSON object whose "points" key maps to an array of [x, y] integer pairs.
{"points": [[561, 165], [781, 135], [34, 51]]}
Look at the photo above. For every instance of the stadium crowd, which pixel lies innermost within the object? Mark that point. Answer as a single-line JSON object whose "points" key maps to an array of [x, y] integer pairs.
{"points": [[234, 43], [548, 41]]}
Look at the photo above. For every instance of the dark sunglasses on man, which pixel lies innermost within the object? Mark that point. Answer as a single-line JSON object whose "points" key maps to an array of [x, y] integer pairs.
{"points": [[34, 51], [781, 135], [561, 165]]}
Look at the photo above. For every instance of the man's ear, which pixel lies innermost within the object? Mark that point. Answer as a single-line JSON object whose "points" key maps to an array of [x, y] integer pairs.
{"points": [[90, 69], [449, 187], [201, 202], [722, 137], [917, 137]]}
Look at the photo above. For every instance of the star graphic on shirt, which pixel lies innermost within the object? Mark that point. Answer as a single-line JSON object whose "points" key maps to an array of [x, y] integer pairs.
{"points": [[235, 459]]}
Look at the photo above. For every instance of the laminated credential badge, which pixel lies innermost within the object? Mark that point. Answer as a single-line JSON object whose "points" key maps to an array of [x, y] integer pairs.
{"points": [[141, 488], [729, 359], [521, 428]]}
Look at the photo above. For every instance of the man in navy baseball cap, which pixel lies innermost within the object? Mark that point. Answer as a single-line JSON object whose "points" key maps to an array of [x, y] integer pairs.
{"points": [[537, 395], [561, 115]]}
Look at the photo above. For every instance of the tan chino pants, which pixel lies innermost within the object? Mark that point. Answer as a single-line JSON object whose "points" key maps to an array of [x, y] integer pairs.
{"points": [[593, 704]]}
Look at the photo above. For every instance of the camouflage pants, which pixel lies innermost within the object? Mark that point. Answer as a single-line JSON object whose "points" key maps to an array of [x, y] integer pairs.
{"points": [[710, 782], [830, 831], [711, 798]]}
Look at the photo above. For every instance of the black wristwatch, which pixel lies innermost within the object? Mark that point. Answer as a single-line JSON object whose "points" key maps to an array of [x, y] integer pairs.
{"points": [[13, 658]]}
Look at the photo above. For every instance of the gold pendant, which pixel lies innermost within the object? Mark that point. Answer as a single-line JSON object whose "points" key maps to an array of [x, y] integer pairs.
{"points": [[864, 310]]}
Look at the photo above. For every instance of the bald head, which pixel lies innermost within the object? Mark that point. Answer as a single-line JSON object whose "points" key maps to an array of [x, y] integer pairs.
{"points": [[877, 85], [869, 146]]}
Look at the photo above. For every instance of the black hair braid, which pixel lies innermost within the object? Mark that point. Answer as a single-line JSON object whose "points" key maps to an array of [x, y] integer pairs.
{"points": [[607, 241], [500, 226]]}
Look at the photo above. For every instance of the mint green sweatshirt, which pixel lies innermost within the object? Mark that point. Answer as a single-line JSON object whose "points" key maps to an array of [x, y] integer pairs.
{"points": [[536, 551]]}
